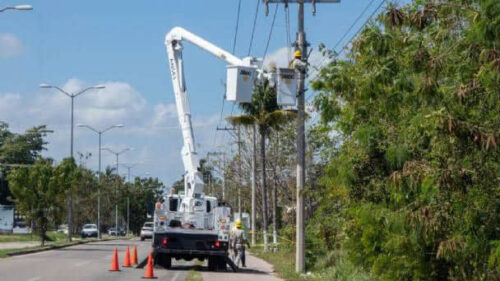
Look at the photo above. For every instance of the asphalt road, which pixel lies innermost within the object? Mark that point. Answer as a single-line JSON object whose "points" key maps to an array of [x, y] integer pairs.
{"points": [[83, 262]]}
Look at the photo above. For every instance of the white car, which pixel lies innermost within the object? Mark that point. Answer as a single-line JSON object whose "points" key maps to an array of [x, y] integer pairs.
{"points": [[89, 230], [147, 231]]}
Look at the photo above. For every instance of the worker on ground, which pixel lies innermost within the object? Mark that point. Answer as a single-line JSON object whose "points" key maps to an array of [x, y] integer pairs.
{"points": [[239, 240]]}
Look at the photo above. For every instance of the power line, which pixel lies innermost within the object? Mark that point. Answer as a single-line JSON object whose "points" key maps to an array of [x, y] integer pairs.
{"points": [[237, 26], [353, 24], [270, 32], [253, 28], [220, 118], [234, 49], [344, 47]]}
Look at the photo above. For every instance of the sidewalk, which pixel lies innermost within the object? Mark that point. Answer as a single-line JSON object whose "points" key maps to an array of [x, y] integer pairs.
{"points": [[256, 269], [18, 245]]}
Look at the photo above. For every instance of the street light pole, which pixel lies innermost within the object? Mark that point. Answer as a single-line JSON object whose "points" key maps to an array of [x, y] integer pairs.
{"points": [[99, 133], [72, 96], [117, 154], [18, 8], [129, 167]]}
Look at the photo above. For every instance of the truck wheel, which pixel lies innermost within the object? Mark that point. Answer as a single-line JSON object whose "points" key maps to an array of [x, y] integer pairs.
{"points": [[212, 264], [221, 264], [166, 261]]}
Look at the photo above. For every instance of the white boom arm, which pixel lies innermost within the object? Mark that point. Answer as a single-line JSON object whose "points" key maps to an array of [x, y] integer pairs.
{"points": [[173, 40]]}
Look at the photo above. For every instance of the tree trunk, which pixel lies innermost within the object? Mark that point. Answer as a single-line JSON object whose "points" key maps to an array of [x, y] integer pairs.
{"points": [[264, 188]]}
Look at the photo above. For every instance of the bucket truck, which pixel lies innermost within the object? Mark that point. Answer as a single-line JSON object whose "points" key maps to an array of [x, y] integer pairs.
{"points": [[192, 224]]}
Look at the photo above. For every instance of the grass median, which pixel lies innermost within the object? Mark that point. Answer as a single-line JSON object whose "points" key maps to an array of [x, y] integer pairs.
{"points": [[51, 236], [341, 269]]}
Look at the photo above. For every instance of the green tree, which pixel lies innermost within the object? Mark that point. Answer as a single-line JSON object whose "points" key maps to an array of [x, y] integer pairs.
{"points": [[39, 194], [417, 103], [18, 149], [142, 192], [263, 112], [21, 148]]}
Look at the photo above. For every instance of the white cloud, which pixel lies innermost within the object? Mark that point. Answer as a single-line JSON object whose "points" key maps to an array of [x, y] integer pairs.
{"points": [[10, 46], [282, 57], [152, 129]]}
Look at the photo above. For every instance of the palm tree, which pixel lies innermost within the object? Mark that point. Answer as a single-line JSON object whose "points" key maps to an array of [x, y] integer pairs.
{"points": [[264, 113]]}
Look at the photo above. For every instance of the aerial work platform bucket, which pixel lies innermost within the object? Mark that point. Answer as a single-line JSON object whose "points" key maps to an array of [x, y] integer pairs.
{"points": [[240, 83], [286, 87]]}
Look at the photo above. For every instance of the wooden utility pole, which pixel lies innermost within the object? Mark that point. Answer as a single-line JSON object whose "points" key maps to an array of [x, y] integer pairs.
{"points": [[301, 44]]}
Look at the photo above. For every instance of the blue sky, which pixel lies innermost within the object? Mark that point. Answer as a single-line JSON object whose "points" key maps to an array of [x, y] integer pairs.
{"points": [[74, 44]]}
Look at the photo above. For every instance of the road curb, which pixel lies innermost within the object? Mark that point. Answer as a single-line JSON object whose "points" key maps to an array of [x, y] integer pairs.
{"points": [[55, 247]]}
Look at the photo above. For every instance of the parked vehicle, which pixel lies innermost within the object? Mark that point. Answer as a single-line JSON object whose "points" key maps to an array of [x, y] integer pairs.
{"points": [[147, 231], [89, 230], [112, 231], [63, 228]]}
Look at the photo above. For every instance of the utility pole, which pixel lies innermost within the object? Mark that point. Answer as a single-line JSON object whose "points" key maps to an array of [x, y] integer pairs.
{"points": [[239, 170], [254, 173], [223, 172], [301, 44]]}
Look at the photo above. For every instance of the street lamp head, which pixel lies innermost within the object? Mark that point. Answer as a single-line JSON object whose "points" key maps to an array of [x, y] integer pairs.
{"points": [[119, 126], [45, 86], [80, 125], [99, 87], [23, 7]]}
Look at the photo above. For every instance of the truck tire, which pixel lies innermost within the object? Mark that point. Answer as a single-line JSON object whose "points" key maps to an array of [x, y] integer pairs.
{"points": [[212, 264], [221, 264], [166, 261]]}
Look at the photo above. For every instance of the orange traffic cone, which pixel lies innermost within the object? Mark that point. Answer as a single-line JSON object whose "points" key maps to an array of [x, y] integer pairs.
{"points": [[114, 262], [149, 274], [133, 259], [126, 261]]}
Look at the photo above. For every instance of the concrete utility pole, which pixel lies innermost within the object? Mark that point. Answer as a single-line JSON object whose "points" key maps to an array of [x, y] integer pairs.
{"points": [[239, 170], [72, 96], [223, 171], [301, 45], [254, 173], [99, 133]]}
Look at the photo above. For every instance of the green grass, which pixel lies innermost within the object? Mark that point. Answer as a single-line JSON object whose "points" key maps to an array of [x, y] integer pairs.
{"points": [[194, 274], [284, 264], [52, 236]]}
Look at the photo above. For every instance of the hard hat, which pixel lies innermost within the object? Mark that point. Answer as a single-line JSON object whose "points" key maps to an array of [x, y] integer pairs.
{"points": [[298, 54], [238, 224]]}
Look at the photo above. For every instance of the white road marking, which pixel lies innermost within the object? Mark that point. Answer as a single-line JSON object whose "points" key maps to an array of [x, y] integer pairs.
{"points": [[35, 278], [175, 276], [82, 263]]}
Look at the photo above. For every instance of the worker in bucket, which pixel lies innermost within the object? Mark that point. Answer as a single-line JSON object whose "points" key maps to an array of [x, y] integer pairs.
{"points": [[297, 62], [239, 240]]}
